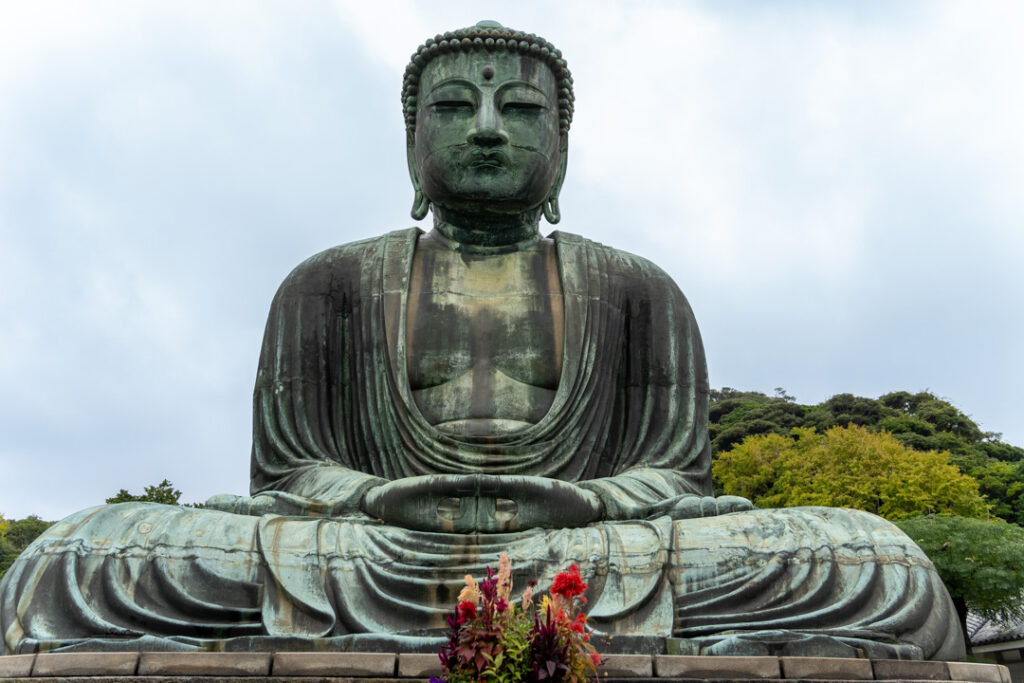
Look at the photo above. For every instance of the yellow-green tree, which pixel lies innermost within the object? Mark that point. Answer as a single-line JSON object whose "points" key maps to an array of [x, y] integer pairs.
{"points": [[847, 467]]}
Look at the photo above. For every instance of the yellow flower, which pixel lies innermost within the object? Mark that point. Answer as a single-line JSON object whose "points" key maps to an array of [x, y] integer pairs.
{"points": [[470, 593]]}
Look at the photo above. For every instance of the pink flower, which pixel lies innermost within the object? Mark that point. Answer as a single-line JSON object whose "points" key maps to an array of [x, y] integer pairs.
{"points": [[595, 658], [528, 597]]}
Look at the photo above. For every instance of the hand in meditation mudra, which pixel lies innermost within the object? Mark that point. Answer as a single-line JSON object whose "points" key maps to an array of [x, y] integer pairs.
{"points": [[426, 401]]}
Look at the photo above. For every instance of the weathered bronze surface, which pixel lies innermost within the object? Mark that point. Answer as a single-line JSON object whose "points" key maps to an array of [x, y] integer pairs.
{"points": [[425, 402]]}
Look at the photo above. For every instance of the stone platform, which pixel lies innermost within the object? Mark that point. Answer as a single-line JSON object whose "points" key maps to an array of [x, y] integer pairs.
{"points": [[349, 667]]}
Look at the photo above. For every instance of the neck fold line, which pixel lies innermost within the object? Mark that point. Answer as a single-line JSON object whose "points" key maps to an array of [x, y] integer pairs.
{"points": [[485, 234]]}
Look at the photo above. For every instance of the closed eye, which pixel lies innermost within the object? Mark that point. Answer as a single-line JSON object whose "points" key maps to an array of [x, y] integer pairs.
{"points": [[453, 104], [524, 107]]}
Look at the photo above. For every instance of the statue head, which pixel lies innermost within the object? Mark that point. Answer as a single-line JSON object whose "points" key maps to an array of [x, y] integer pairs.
{"points": [[487, 112]]}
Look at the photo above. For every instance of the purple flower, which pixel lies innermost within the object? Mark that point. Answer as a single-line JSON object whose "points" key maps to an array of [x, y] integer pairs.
{"points": [[489, 586]]}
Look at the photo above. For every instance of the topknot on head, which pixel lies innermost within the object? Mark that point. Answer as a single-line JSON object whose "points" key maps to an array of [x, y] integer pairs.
{"points": [[490, 36]]}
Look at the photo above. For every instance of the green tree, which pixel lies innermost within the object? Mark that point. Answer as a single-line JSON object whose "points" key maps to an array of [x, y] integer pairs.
{"points": [[847, 467], [920, 421], [5, 548], [8, 553], [845, 409], [1003, 484], [16, 535], [21, 532], [164, 492], [980, 561], [736, 415]]}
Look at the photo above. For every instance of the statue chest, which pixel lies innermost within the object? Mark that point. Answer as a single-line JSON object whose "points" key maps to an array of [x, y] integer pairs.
{"points": [[484, 338]]}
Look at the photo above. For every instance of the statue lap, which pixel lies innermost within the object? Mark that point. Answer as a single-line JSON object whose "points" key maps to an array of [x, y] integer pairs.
{"points": [[797, 581]]}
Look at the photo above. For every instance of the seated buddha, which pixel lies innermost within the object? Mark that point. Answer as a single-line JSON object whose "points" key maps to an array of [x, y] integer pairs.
{"points": [[428, 400]]}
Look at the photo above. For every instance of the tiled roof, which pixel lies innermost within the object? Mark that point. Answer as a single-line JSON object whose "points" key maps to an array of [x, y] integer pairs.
{"points": [[981, 631]]}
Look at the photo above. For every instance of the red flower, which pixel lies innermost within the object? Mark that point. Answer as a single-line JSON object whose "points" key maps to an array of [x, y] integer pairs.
{"points": [[595, 658], [579, 624], [466, 610], [569, 584]]}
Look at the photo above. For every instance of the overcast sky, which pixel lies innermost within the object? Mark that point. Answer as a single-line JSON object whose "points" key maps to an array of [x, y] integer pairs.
{"points": [[836, 186]]}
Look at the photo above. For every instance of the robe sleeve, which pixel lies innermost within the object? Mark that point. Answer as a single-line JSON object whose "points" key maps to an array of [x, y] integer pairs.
{"points": [[662, 448], [630, 494], [299, 445]]}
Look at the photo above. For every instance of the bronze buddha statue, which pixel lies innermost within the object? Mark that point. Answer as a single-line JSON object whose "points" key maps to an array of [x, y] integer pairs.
{"points": [[425, 401]]}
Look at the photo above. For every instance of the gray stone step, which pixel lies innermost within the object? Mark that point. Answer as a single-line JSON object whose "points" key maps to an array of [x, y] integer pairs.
{"points": [[385, 667]]}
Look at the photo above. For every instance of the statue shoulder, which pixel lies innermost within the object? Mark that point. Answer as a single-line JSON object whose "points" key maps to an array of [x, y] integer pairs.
{"points": [[342, 266], [635, 273]]}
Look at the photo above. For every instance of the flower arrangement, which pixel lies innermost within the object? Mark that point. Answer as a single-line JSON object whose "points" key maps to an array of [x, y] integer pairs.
{"points": [[494, 641]]}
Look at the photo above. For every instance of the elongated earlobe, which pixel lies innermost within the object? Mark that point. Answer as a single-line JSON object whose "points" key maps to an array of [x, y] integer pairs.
{"points": [[420, 206], [551, 211]]}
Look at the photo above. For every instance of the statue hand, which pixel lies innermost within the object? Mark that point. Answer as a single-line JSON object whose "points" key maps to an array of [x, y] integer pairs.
{"points": [[481, 503], [690, 506]]}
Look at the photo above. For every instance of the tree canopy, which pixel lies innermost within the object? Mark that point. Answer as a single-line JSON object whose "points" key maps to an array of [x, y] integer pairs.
{"points": [[164, 492], [16, 535], [847, 467], [980, 561], [920, 421]]}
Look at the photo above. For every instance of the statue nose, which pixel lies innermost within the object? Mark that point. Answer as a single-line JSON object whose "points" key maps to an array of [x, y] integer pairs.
{"points": [[488, 137], [488, 130]]}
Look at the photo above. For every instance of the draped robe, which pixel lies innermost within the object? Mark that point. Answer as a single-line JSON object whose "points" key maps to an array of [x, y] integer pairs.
{"points": [[334, 416]]}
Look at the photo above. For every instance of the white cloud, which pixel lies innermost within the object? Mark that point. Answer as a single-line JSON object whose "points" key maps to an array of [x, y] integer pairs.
{"points": [[389, 31]]}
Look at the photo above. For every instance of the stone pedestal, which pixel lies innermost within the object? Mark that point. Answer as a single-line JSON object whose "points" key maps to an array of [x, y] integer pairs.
{"points": [[386, 667]]}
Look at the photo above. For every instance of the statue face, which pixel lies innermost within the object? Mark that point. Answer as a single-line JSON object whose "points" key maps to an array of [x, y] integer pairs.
{"points": [[487, 136]]}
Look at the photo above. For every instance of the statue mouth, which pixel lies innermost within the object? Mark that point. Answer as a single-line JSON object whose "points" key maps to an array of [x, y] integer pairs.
{"points": [[480, 158]]}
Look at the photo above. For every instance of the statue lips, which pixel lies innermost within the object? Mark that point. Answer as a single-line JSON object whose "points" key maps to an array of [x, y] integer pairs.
{"points": [[487, 158]]}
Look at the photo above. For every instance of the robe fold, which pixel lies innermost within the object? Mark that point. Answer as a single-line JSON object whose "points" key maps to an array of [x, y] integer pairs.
{"points": [[334, 416]]}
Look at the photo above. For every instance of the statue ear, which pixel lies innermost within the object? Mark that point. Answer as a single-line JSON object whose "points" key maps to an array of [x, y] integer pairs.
{"points": [[551, 211], [420, 203]]}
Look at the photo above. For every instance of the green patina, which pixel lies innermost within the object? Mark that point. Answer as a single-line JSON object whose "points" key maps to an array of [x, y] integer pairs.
{"points": [[426, 401]]}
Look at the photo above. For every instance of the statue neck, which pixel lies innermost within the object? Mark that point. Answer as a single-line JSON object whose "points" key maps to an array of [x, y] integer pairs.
{"points": [[487, 231]]}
